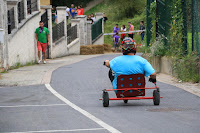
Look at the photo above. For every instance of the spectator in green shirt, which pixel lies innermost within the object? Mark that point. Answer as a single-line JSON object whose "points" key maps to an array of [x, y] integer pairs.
{"points": [[41, 35]]}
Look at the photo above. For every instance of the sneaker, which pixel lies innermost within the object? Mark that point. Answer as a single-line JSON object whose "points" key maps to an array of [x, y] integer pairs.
{"points": [[44, 62], [39, 61]]}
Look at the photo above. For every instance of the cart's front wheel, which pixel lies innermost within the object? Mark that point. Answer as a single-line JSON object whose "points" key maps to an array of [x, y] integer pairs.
{"points": [[125, 101], [156, 97], [105, 99]]}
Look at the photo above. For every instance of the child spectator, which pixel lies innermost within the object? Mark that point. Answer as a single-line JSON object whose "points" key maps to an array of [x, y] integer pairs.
{"points": [[116, 42], [76, 9], [123, 29], [89, 19], [105, 18], [67, 13], [93, 17]]}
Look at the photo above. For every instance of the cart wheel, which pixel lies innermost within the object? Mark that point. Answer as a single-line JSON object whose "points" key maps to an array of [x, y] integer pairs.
{"points": [[125, 101], [156, 97], [105, 99]]}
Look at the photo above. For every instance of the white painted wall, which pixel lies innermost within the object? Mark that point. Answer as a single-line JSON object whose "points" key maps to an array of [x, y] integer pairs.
{"points": [[74, 47], [59, 48], [22, 45]]}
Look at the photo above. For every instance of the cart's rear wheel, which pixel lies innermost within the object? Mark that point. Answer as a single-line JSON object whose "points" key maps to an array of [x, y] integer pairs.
{"points": [[156, 97], [105, 99], [125, 101]]}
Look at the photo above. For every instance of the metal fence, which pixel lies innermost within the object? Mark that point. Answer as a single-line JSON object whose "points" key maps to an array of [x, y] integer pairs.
{"points": [[11, 20], [20, 11], [58, 31], [71, 34], [69, 25], [189, 17], [96, 29], [44, 18], [31, 6]]}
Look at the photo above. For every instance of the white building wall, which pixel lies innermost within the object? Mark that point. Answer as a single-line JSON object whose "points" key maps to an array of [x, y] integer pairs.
{"points": [[22, 45]]}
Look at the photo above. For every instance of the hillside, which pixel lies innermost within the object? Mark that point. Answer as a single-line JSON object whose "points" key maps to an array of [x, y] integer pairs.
{"points": [[110, 8]]}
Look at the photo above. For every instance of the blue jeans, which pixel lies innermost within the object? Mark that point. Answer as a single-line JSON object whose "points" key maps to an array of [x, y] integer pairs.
{"points": [[142, 36]]}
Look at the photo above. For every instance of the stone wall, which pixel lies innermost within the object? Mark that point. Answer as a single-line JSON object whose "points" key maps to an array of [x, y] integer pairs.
{"points": [[160, 64]]}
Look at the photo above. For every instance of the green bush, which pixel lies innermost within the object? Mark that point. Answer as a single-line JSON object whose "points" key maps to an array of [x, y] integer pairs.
{"points": [[187, 68], [158, 48]]}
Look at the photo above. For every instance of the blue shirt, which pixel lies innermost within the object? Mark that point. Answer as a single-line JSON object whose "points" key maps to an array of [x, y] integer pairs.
{"points": [[72, 11], [116, 37], [128, 64], [115, 30]]}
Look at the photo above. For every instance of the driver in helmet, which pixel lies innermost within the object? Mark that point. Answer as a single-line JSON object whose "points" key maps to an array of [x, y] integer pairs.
{"points": [[129, 63]]}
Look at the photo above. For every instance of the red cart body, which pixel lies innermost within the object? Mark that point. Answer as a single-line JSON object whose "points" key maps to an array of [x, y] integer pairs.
{"points": [[131, 87]]}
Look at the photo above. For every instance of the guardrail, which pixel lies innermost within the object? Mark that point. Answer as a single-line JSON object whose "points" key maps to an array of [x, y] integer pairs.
{"points": [[20, 11], [31, 6], [58, 31], [71, 34], [96, 29], [11, 20]]}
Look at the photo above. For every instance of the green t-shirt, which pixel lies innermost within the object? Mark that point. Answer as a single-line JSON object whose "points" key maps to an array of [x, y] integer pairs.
{"points": [[42, 37]]}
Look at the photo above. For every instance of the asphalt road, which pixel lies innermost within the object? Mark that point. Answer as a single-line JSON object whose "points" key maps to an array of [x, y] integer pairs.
{"points": [[36, 109]]}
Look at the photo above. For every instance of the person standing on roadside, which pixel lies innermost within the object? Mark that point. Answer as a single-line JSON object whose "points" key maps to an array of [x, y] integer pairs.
{"points": [[116, 42], [131, 28], [105, 18], [89, 19], [115, 30], [142, 27], [53, 12], [82, 10], [72, 11], [93, 17], [123, 29], [79, 12], [67, 13], [41, 35]]}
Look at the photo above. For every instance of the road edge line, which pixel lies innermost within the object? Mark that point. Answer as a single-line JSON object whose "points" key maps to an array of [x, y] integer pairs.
{"points": [[80, 110]]}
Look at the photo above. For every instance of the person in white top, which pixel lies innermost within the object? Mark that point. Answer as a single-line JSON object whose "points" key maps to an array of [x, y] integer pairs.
{"points": [[123, 29], [67, 13], [93, 17]]}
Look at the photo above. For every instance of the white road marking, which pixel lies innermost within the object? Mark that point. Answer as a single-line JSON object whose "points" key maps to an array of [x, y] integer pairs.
{"points": [[18, 106], [53, 131], [85, 113]]}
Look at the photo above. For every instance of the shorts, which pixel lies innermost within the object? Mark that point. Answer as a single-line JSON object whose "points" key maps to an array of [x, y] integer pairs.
{"points": [[43, 46], [116, 45]]}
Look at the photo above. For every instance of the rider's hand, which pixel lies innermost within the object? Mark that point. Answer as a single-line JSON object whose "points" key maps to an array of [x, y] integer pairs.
{"points": [[152, 80], [107, 63]]}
